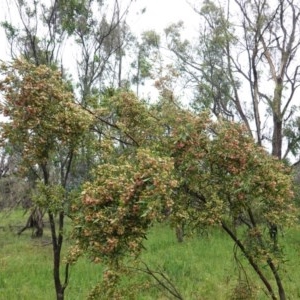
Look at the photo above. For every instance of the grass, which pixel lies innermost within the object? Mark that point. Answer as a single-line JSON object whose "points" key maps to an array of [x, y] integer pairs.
{"points": [[26, 265], [201, 268]]}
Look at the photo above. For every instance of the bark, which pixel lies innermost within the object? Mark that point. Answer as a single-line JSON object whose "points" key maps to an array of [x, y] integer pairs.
{"points": [[277, 120], [251, 261], [281, 291], [179, 232], [57, 241], [34, 221]]}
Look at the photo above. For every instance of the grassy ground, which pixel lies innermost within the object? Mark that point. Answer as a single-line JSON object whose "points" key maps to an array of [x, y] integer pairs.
{"points": [[26, 265], [201, 268]]}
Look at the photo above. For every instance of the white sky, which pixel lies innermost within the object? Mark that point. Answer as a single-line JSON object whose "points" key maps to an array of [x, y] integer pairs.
{"points": [[159, 14]]}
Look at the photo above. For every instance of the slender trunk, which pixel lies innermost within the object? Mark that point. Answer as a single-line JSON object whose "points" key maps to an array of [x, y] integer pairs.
{"points": [[119, 52], [277, 152], [57, 240], [251, 261], [138, 74], [57, 235], [277, 119], [277, 136], [281, 291], [255, 98], [236, 98], [120, 72]]}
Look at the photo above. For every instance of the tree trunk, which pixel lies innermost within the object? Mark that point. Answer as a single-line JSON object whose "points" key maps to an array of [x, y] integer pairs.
{"points": [[251, 261], [281, 291], [34, 221], [277, 119], [179, 232], [57, 243], [277, 136]]}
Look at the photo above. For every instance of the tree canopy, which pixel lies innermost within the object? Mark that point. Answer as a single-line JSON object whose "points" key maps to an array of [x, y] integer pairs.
{"points": [[206, 174], [116, 163]]}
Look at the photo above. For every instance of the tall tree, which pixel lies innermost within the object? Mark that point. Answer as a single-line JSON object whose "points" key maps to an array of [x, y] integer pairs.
{"points": [[100, 33], [43, 121], [97, 30], [37, 34], [148, 56], [42, 32], [273, 44], [247, 68]]}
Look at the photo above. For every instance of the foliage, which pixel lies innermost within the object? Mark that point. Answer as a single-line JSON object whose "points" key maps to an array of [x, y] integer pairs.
{"points": [[245, 70], [41, 112], [202, 174], [44, 125], [50, 196], [251, 178], [224, 173], [120, 205]]}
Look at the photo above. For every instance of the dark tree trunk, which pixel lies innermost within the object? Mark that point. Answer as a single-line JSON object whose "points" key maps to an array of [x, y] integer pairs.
{"points": [[35, 221], [277, 137], [250, 259], [179, 232], [57, 240]]}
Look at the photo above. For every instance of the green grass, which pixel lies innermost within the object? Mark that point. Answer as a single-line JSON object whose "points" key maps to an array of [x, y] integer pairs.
{"points": [[198, 267], [26, 265], [201, 268]]}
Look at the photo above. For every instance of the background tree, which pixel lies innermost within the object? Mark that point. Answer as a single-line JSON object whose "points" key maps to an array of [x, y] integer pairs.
{"points": [[15, 190], [255, 54], [148, 56], [40, 37]]}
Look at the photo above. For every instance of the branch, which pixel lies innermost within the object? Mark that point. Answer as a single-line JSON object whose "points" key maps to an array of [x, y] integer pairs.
{"points": [[110, 124], [250, 260], [165, 282]]}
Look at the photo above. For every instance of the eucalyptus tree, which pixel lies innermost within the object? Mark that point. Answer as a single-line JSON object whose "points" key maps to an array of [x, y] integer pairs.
{"points": [[101, 38], [40, 35], [245, 67], [100, 34], [203, 173], [51, 32], [43, 120], [34, 30], [148, 57]]}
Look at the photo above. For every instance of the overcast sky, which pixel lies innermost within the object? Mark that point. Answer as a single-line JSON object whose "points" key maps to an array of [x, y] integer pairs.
{"points": [[158, 15], [161, 13]]}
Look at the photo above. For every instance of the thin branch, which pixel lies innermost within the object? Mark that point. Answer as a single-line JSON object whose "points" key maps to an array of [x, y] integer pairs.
{"points": [[165, 282]]}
